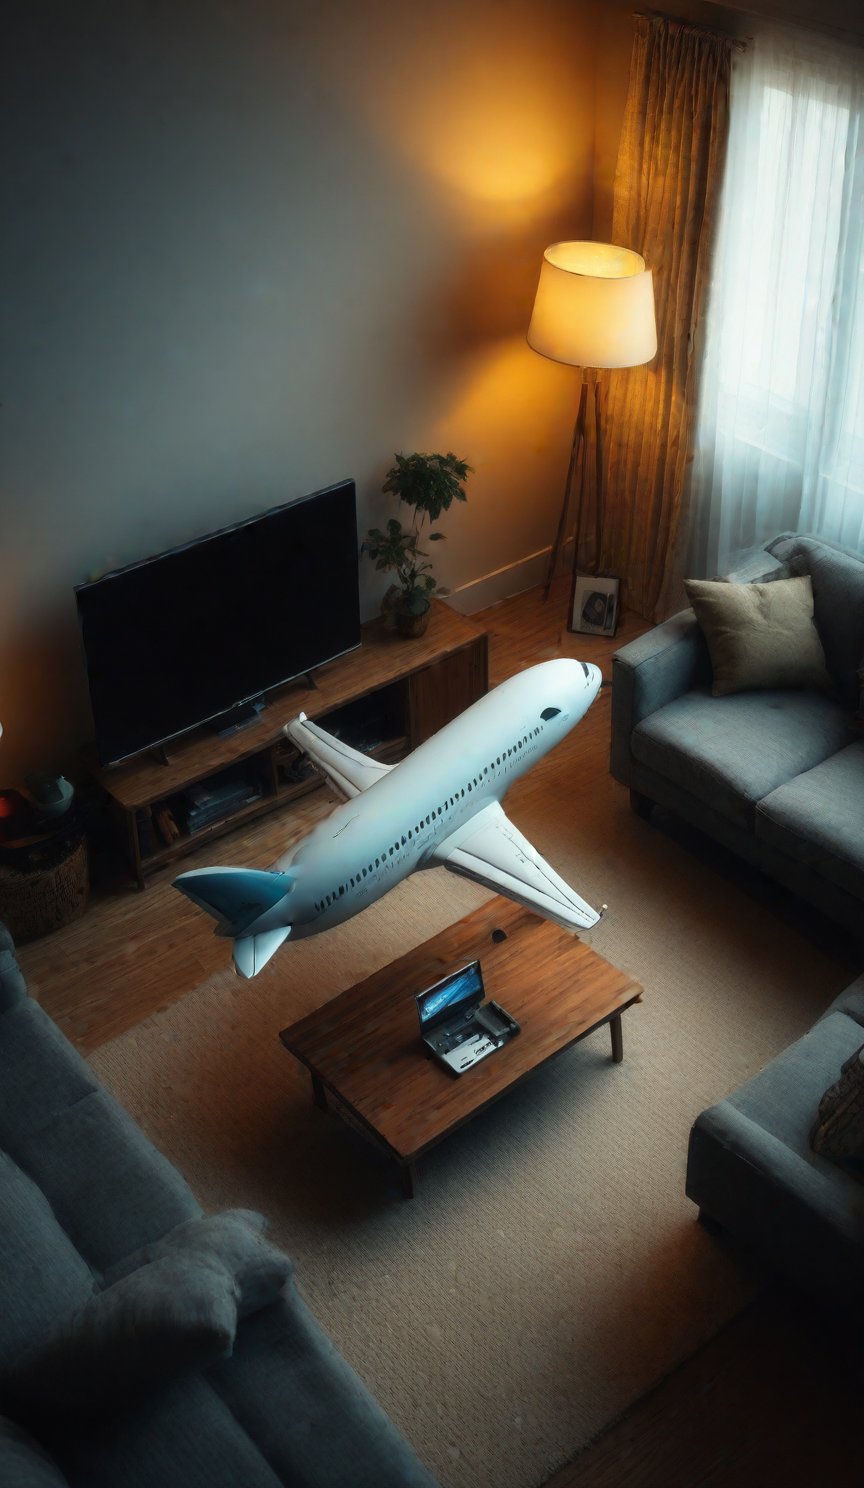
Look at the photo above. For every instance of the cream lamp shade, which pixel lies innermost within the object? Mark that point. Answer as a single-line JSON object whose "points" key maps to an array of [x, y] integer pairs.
{"points": [[594, 307]]}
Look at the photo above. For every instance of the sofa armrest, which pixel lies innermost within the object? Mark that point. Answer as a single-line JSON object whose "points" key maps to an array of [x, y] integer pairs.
{"points": [[650, 672], [831, 1196], [756, 566], [850, 1001], [806, 1218]]}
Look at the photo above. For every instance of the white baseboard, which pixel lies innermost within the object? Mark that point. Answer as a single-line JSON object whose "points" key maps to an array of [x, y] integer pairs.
{"points": [[525, 573]]}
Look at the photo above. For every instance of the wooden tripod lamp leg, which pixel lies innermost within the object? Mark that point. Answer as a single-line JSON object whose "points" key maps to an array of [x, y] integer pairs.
{"points": [[598, 472], [576, 447]]}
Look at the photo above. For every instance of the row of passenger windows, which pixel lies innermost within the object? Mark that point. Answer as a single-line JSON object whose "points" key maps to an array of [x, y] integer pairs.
{"points": [[473, 784]]}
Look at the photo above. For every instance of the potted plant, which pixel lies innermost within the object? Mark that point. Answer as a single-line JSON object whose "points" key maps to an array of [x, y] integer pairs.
{"points": [[430, 484]]}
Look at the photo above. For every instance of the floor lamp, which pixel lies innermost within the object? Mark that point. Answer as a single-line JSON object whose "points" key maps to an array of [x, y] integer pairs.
{"points": [[594, 309]]}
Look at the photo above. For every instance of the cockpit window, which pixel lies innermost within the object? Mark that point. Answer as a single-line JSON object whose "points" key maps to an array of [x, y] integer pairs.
{"points": [[550, 713]]}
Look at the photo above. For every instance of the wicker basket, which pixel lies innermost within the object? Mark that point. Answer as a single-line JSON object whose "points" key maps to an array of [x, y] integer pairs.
{"points": [[36, 900]]}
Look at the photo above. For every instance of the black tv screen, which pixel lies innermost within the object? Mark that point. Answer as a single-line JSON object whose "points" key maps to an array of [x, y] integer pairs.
{"points": [[178, 639]]}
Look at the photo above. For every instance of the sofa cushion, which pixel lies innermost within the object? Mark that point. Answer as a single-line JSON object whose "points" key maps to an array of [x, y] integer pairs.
{"points": [[43, 1274], [730, 752], [285, 1409], [23, 1463], [760, 635], [182, 1436], [818, 819], [234, 1239], [109, 1187], [12, 987], [838, 602], [838, 1132], [177, 1315], [42, 1074]]}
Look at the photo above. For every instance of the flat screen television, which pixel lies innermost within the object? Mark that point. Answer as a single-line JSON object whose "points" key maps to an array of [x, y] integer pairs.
{"points": [[184, 637]]}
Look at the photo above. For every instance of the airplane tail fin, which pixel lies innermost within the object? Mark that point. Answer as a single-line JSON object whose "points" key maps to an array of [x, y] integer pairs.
{"points": [[235, 897]]}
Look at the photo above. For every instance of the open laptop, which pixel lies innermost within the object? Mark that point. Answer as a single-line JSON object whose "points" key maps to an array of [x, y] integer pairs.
{"points": [[458, 1027]]}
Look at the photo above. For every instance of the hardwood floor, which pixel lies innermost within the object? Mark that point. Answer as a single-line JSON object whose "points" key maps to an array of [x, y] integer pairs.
{"points": [[774, 1399]]}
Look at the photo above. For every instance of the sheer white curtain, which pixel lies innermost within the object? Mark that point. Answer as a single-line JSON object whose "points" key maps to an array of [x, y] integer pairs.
{"points": [[779, 441]]}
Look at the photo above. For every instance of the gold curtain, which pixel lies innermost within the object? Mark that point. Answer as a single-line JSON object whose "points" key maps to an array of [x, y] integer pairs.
{"points": [[670, 163]]}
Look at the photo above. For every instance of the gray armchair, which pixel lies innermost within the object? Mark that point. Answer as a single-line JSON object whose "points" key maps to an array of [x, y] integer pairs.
{"points": [[753, 1173]]}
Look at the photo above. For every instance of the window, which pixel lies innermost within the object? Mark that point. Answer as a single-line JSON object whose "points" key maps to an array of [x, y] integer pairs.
{"points": [[549, 713], [779, 439]]}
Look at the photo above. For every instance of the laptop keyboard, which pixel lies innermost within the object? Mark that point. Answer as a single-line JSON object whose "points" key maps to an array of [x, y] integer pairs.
{"points": [[455, 1037]]}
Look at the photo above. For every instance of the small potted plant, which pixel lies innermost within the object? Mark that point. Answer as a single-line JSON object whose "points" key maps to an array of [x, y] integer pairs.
{"points": [[430, 484]]}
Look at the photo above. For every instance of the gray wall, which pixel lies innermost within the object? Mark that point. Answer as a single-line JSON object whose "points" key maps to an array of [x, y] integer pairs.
{"points": [[252, 247]]}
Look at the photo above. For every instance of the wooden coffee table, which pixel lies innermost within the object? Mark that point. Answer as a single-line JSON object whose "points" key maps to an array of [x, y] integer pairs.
{"points": [[363, 1048]]}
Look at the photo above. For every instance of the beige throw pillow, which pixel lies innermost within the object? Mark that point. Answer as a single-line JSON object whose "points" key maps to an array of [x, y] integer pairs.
{"points": [[760, 635]]}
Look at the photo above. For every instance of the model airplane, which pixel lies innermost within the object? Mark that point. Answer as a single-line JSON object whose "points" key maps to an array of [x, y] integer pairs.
{"points": [[437, 807]]}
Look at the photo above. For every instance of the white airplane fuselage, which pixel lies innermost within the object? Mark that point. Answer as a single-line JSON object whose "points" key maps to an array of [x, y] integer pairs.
{"points": [[392, 828]]}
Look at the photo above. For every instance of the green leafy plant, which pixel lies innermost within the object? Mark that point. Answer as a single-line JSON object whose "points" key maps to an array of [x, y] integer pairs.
{"points": [[430, 484]]}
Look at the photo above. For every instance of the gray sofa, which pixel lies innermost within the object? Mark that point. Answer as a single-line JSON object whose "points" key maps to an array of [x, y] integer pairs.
{"points": [[81, 1190], [751, 1169], [777, 776]]}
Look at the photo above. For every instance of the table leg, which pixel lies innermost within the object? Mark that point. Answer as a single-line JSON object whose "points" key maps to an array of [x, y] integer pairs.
{"points": [[617, 1038], [408, 1173], [319, 1094]]}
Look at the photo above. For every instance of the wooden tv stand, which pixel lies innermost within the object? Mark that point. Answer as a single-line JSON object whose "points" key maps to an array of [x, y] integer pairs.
{"points": [[386, 697]]}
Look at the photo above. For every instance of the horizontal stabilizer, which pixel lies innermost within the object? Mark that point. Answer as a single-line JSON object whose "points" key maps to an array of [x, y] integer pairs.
{"points": [[251, 952], [236, 897], [349, 771]]}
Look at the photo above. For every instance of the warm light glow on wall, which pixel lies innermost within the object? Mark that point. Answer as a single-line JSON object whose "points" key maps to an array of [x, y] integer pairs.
{"points": [[496, 149], [508, 403], [501, 398], [503, 129]]}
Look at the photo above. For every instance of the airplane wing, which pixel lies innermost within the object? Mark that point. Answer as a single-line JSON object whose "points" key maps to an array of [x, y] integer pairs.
{"points": [[492, 852], [349, 771]]}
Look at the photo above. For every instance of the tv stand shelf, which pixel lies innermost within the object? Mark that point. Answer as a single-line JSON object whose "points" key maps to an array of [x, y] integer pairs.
{"points": [[386, 698]]}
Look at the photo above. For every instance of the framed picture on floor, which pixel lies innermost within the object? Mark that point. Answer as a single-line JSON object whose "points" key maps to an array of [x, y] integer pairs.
{"points": [[594, 604]]}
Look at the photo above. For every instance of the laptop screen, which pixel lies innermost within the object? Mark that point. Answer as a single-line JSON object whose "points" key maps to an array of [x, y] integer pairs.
{"points": [[460, 989]]}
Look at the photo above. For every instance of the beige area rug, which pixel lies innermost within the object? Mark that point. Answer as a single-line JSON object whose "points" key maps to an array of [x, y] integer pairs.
{"points": [[550, 1269]]}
